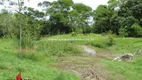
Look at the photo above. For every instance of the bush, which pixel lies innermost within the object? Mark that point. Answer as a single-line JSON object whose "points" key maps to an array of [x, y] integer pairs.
{"points": [[122, 32], [27, 42], [104, 42], [73, 34], [111, 40], [110, 32], [136, 30], [61, 48], [100, 42], [99, 45]]}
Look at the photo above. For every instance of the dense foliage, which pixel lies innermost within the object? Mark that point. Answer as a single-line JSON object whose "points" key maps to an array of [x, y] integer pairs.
{"points": [[122, 17], [119, 16]]}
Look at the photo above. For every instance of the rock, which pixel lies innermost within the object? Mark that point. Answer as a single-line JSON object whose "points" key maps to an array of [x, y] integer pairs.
{"points": [[89, 51], [126, 57]]}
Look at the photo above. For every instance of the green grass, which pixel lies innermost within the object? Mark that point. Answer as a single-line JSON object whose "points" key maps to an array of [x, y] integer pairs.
{"points": [[96, 40], [12, 65], [78, 39], [121, 70], [126, 45], [57, 48], [34, 63], [131, 71], [78, 36]]}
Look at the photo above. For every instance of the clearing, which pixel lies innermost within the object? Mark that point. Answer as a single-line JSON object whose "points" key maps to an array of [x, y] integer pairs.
{"points": [[71, 60]]}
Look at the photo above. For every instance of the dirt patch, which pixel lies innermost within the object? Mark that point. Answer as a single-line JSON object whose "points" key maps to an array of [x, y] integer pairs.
{"points": [[88, 67]]}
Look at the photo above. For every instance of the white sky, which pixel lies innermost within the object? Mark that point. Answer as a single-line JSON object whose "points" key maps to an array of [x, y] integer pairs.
{"points": [[91, 3]]}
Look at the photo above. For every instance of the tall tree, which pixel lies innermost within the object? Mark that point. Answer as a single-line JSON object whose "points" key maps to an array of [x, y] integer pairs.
{"points": [[102, 18], [18, 6], [35, 21], [65, 16], [80, 16], [58, 12], [131, 12]]}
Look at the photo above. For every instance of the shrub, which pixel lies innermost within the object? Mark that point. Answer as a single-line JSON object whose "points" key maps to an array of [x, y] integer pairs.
{"points": [[122, 32], [100, 42], [27, 42], [99, 45], [136, 30], [111, 40], [73, 34], [104, 42], [56, 48], [109, 32]]}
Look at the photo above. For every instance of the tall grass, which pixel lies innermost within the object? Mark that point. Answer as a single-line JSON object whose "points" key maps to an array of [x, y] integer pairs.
{"points": [[57, 48], [104, 41], [34, 62]]}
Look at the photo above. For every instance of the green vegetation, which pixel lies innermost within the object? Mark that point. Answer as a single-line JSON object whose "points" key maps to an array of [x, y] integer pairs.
{"points": [[65, 16], [121, 70], [118, 16], [45, 52], [128, 70], [61, 30], [34, 63], [127, 45]]}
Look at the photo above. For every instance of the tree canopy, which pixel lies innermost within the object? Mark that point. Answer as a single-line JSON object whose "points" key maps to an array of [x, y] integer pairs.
{"points": [[65, 16]]}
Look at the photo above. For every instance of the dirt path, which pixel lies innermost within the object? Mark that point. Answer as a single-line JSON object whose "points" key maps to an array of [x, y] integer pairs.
{"points": [[88, 67], [92, 71]]}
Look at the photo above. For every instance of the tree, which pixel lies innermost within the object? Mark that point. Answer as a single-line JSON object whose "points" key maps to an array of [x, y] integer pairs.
{"points": [[122, 32], [102, 19], [130, 11], [112, 4], [80, 16], [65, 16], [6, 16], [58, 15], [136, 30], [115, 4], [6, 25], [119, 15], [35, 21], [19, 6]]}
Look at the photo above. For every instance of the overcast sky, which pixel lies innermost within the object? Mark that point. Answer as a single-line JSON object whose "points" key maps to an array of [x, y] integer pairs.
{"points": [[91, 3]]}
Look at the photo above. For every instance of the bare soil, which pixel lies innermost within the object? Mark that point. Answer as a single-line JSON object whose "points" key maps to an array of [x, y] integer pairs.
{"points": [[88, 67]]}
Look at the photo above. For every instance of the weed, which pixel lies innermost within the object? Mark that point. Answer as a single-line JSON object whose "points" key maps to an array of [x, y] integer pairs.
{"points": [[73, 34]]}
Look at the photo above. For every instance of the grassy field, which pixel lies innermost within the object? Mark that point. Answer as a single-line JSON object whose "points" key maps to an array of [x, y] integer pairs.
{"points": [[121, 70], [34, 63], [47, 59], [130, 71]]}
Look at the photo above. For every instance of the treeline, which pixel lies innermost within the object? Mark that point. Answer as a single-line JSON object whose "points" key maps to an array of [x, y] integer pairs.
{"points": [[122, 17]]}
